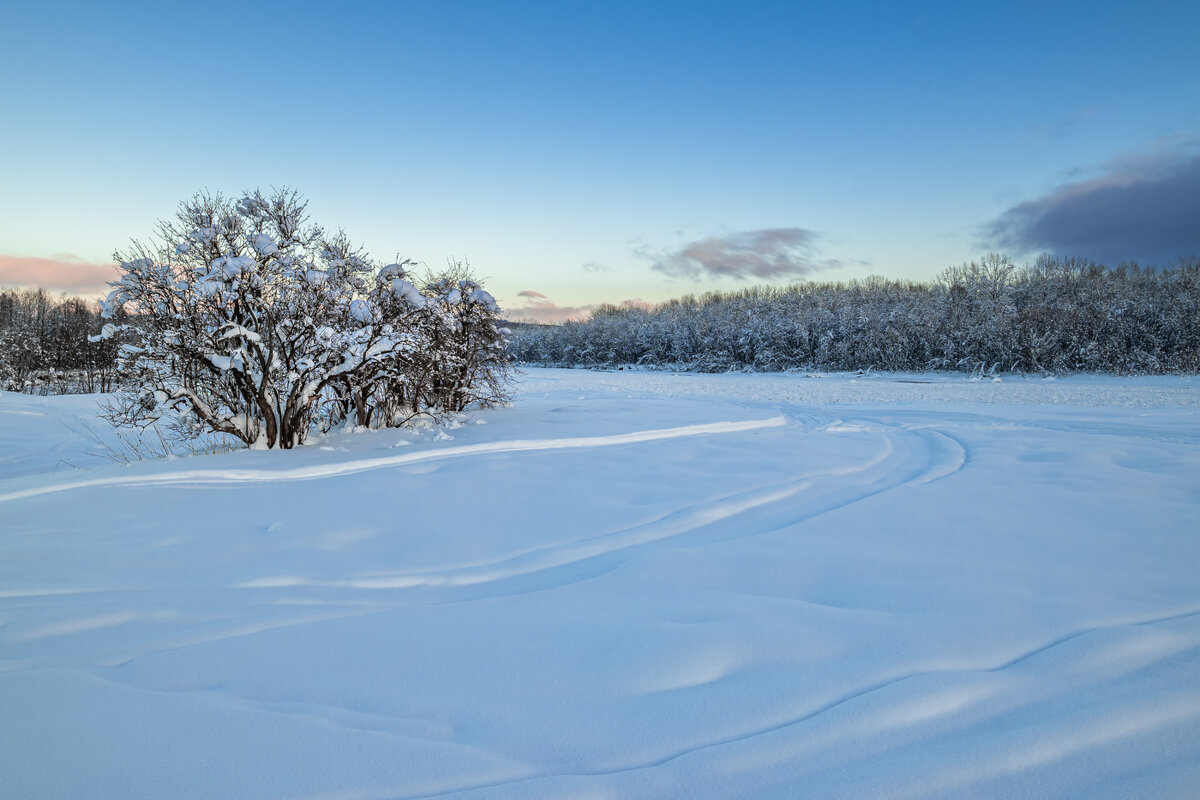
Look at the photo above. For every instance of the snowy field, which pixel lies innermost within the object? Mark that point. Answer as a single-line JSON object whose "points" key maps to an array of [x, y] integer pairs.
{"points": [[627, 585]]}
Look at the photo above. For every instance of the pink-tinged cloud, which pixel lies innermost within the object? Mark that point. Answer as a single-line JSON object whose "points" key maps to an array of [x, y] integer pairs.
{"points": [[58, 273], [541, 309], [770, 254]]}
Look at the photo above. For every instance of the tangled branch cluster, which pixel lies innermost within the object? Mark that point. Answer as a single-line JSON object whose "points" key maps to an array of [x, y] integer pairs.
{"points": [[245, 319]]}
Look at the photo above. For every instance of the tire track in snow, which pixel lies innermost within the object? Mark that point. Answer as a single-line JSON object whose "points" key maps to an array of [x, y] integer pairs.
{"points": [[946, 456], [550, 557], [953, 458], [542, 559], [225, 477]]}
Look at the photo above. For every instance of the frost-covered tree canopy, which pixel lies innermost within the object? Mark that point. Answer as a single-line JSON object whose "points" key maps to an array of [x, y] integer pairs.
{"points": [[251, 321], [1057, 315]]}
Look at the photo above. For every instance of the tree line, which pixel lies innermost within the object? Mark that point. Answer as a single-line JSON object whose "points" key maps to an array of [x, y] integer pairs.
{"points": [[44, 347], [1056, 315]]}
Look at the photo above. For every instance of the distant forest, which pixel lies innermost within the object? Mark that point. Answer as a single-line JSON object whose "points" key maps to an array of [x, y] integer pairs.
{"points": [[1055, 316], [44, 347]]}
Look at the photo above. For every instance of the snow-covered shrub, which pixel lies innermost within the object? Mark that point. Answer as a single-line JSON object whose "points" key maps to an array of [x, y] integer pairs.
{"points": [[471, 364], [250, 321]]}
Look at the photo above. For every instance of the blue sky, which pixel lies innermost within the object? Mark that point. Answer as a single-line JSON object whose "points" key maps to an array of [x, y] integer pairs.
{"points": [[600, 152]]}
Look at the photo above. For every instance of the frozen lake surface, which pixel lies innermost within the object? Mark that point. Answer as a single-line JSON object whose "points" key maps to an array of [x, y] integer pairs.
{"points": [[627, 585]]}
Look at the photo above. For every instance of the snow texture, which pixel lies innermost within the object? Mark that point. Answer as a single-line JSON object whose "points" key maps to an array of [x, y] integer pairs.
{"points": [[361, 311], [403, 290], [263, 244], [692, 586]]}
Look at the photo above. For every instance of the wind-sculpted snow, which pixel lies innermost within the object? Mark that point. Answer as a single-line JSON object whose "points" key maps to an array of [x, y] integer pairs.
{"points": [[635, 585]]}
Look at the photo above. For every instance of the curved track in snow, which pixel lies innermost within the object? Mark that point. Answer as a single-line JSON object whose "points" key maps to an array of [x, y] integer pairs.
{"points": [[225, 477], [905, 458]]}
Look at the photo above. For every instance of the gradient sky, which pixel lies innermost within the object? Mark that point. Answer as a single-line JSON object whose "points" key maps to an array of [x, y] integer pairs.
{"points": [[584, 152]]}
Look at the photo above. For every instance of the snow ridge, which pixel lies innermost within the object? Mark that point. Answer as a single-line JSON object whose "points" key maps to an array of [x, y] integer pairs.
{"points": [[241, 476]]}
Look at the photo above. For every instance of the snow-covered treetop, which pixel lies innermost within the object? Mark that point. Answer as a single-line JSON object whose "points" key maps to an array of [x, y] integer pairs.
{"points": [[248, 315]]}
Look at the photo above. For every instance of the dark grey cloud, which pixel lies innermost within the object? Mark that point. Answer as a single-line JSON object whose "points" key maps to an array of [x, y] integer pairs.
{"points": [[767, 254], [1142, 209]]}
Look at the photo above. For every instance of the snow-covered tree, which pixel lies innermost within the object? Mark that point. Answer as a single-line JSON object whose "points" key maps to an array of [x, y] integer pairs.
{"points": [[250, 321], [463, 320]]}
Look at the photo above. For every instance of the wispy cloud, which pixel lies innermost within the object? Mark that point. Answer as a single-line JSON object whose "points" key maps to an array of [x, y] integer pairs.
{"points": [[1066, 124], [768, 254], [58, 273], [1143, 207], [537, 307]]}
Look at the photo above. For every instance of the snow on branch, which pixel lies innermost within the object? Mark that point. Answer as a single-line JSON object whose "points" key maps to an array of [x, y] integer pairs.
{"points": [[258, 324]]}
